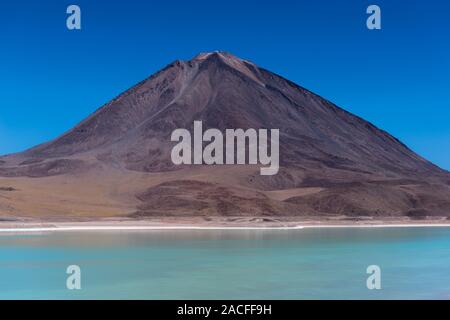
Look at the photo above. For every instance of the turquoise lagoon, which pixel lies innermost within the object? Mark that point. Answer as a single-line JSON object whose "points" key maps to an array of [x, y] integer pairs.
{"points": [[311, 263]]}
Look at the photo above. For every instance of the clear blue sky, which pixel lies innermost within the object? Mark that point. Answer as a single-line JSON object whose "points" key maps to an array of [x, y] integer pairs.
{"points": [[398, 78]]}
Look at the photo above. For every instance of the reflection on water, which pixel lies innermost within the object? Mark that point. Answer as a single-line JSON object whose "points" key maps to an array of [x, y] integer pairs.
{"points": [[328, 263]]}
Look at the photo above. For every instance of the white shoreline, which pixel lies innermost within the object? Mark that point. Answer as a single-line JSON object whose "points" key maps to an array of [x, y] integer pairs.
{"points": [[223, 228], [417, 225], [137, 228]]}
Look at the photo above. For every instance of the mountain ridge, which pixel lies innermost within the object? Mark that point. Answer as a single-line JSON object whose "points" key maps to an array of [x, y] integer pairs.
{"points": [[358, 167]]}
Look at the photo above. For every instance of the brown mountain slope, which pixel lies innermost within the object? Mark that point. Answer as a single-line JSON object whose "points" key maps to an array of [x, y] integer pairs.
{"points": [[332, 162]]}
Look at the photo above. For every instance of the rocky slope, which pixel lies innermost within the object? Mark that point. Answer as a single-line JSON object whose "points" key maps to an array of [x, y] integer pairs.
{"points": [[332, 162]]}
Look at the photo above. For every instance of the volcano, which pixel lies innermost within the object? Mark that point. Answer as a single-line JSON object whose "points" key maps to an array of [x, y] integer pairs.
{"points": [[117, 161]]}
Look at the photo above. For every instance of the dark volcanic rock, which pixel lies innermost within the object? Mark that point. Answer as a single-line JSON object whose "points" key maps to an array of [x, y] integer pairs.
{"points": [[362, 169], [226, 92], [8, 189]]}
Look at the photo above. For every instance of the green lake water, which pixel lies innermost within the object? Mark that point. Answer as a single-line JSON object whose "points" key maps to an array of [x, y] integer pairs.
{"points": [[325, 263]]}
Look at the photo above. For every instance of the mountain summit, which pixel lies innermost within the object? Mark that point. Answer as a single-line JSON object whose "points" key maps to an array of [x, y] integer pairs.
{"points": [[331, 162]]}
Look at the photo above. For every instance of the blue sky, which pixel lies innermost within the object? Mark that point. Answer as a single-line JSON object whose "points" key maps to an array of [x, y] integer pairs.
{"points": [[398, 77]]}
